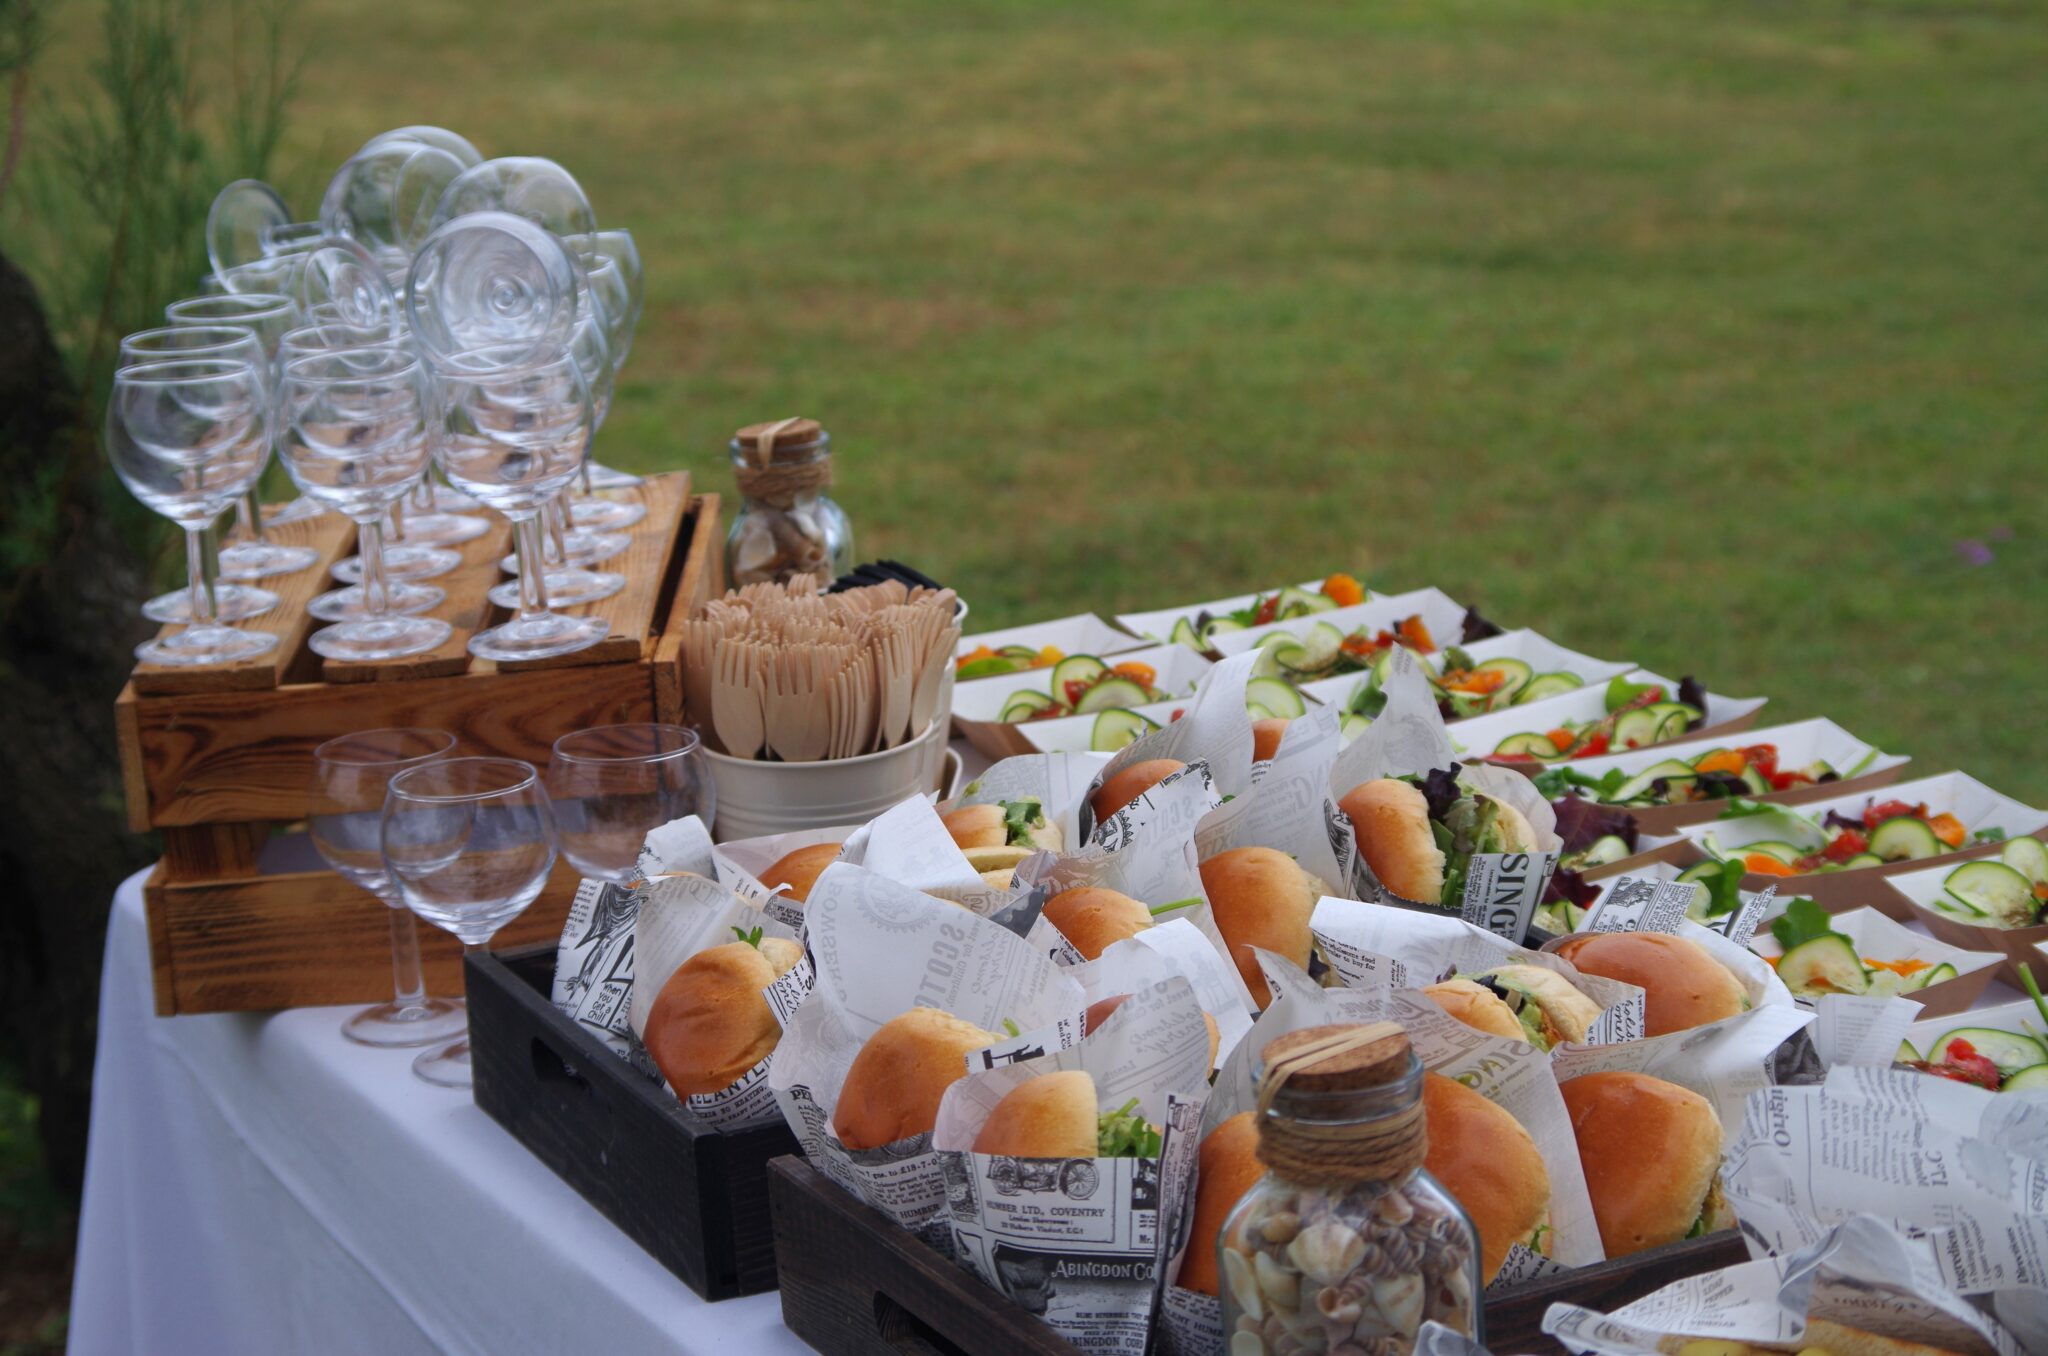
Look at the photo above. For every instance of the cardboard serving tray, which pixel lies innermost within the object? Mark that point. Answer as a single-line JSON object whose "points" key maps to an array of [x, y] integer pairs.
{"points": [[1539, 652], [1915, 891], [1082, 633], [693, 1196], [855, 1284], [2018, 1015], [1877, 936], [1957, 793], [1441, 613], [1156, 627], [1478, 736], [1799, 744], [977, 704]]}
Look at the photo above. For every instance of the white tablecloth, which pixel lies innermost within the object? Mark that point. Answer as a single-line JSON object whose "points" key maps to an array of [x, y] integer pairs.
{"points": [[258, 1184]]}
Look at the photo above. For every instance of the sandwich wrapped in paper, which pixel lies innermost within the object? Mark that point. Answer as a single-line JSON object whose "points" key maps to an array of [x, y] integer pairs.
{"points": [[1173, 948], [717, 978], [907, 988], [1289, 807], [1065, 1171], [776, 871], [1432, 833], [1057, 781], [1859, 1289], [594, 962], [1215, 730]]}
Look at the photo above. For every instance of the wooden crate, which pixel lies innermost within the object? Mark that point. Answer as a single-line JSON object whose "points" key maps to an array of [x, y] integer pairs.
{"points": [[218, 760], [856, 1284]]}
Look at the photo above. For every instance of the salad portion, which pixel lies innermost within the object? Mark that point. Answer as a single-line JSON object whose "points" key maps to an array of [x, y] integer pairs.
{"points": [[1638, 714], [2008, 891], [1795, 844], [1815, 959], [1264, 699], [1716, 774], [1198, 630], [1464, 685], [986, 662], [1081, 684], [2004, 1052], [1326, 651]]}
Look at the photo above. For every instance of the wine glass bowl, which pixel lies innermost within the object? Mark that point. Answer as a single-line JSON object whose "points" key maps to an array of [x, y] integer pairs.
{"points": [[615, 784], [339, 279], [240, 221], [524, 185], [384, 197]]}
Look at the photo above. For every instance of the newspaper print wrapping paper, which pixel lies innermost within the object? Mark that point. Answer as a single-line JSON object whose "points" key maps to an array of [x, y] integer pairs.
{"points": [[1058, 781], [1289, 807], [1079, 1242], [1176, 947], [1408, 738], [594, 961], [1216, 729], [881, 948], [1860, 1273], [741, 863]]}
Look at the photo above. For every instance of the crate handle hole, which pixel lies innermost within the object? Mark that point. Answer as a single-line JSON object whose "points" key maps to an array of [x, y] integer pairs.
{"points": [[550, 1067], [906, 1332]]}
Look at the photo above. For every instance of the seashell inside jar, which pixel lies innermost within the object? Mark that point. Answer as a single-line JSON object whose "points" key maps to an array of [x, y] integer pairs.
{"points": [[1347, 1245]]}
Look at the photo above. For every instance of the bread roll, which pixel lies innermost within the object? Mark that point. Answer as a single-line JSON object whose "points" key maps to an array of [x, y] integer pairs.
{"points": [[987, 826], [1052, 1116], [710, 1024], [1477, 1007], [1683, 985], [1260, 896], [1390, 820], [799, 870], [1126, 786], [1652, 1155], [1095, 919], [1563, 1013], [1227, 1167], [1484, 1157], [893, 1089]]}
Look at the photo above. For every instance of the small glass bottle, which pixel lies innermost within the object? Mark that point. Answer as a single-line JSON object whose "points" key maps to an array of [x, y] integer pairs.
{"points": [[1347, 1243], [786, 524]]}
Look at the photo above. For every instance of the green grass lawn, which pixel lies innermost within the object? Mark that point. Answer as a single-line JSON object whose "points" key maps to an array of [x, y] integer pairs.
{"points": [[1693, 333]]}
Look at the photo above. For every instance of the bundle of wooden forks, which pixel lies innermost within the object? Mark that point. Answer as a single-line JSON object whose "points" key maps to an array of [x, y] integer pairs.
{"points": [[786, 672]]}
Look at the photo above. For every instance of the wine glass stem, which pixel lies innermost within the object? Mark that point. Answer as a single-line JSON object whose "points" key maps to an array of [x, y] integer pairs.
{"points": [[199, 568], [249, 513], [397, 517], [583, 473], [533, 588], [408, 985], [423, 493], [370, 549], [557, 552]]}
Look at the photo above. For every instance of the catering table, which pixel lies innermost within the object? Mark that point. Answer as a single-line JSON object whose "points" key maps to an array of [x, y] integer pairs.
{"points": [[255, 1183]]}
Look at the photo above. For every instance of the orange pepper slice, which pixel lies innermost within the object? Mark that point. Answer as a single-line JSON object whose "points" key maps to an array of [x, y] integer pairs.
{"points": [[1481, 683], [1948, 829], [1903, 968], [978, 652], [1561, 739], [1343, 590], [1416, 634], [1727, 760], [1144, 675], [1764, 864], [1048, 657]]}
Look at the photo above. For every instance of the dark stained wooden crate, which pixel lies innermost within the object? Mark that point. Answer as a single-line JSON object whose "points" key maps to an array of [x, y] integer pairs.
{"points": [[695, 1197], [855, 1284]]}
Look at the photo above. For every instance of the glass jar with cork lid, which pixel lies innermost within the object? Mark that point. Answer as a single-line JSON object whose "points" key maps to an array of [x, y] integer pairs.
{"points": [[1346, 1244], [786, 524]]}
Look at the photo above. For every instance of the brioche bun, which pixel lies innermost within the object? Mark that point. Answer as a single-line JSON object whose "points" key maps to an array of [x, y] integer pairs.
{"points": [[1121, 788], [1099, 1011], [996, 858], [1260, 896], [1564, 1013], [893, 1089], [1266, 737], [1227, 1167], [1484, 1157], [1477, 1007], [1390, 820], [1052, 1116], [1652, 1153], [799, 870], [1094, 919], [977, 826], [710, 1024], [1683, 985]]}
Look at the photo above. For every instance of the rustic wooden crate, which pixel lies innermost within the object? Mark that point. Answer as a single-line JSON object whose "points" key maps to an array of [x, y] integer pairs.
{"points": [[695, 1197], [855, 1284], [217, 760]]}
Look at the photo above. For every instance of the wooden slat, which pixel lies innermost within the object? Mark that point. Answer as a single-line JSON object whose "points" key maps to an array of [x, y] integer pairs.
{"points": [[128, 744], [466, 609], [703, 577], [213, 851], [332, 537], [304, 939], [224, 756], [634, 610]]}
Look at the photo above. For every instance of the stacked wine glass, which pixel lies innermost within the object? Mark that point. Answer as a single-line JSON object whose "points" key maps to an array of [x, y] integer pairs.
{"points": [[441, 311]]}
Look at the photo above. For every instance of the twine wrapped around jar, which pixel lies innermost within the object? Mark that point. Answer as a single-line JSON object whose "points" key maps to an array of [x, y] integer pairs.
{"points": [[775, 479], [1336, 1060], [786, 524]]}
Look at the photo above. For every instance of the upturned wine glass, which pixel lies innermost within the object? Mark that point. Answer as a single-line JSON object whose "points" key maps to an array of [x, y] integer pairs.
{"points": [[470, 842], [241, 221], [524, 185], [615, 784], [187, 437], [351, 776], [385, 195], [511, 439], [232, 602], [491, 287], [269, 316], [618, 247], [353, 435]]}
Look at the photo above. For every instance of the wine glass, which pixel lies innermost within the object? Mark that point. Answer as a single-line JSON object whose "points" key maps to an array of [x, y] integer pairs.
{"points": [[269, 316], [511, 439], [187, 437], [615, 784], [618, 247], [240, 222], [470, 842], [338, 279], [272, 275], [491, 287], [385, 195], [232, 602], [440, 138], [353, 434], [350, 778], [525, 186]]}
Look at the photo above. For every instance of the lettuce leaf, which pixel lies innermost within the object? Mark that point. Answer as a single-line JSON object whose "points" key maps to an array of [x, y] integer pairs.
{"points": [[1582, 822], [1802, 921], [1123, 1133]]}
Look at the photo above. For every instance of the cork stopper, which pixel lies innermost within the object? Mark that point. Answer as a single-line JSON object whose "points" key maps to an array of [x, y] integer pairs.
{"points": [[1355, 1057], [778, 434]]}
